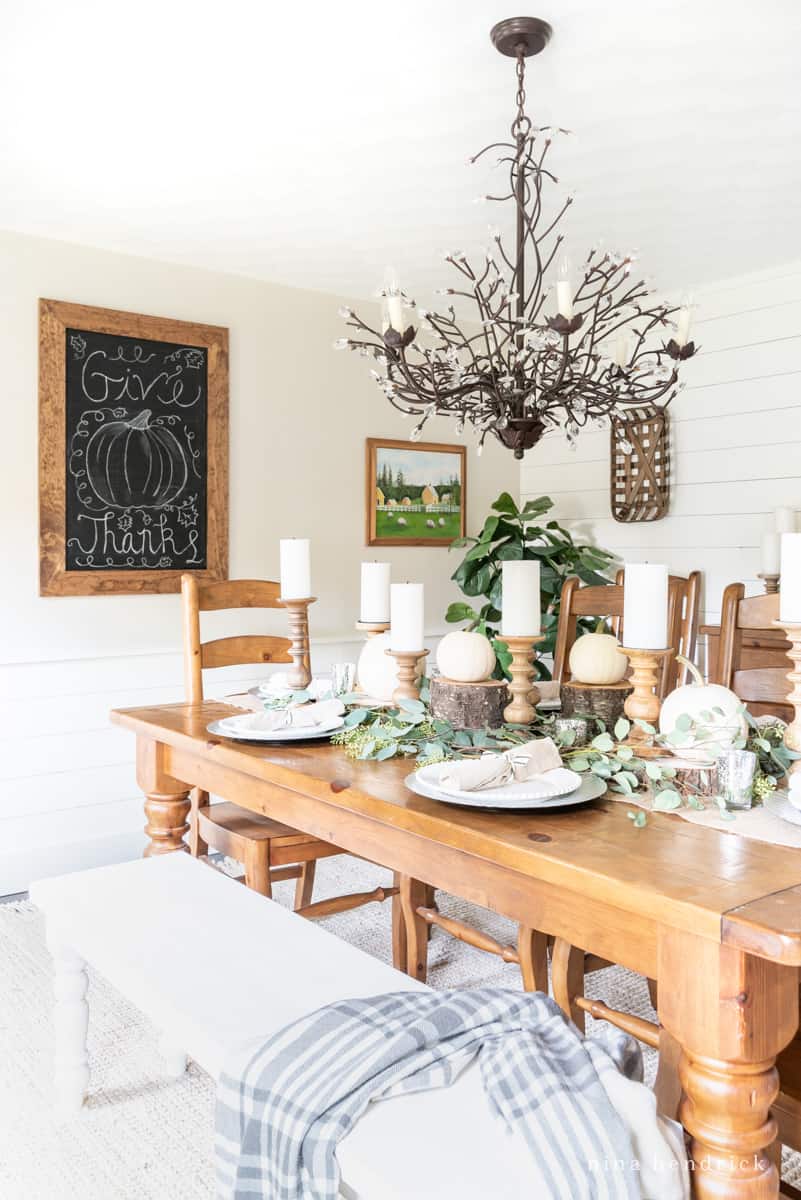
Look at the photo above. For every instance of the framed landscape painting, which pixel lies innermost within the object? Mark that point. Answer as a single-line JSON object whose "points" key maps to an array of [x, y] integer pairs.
{"points": [[415, 494]]}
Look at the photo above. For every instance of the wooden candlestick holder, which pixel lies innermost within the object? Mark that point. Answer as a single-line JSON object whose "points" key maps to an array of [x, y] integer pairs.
{"points": [[407, 661], [792, 734], [771, 582], [372, 628], [521, 711], [643, 704], [300, 676]]}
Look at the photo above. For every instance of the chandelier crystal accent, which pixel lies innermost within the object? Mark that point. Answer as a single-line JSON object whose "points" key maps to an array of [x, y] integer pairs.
{"points": [[530, 356]]}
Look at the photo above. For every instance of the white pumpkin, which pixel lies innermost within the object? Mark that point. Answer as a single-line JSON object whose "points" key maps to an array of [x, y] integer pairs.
{"points": [[377, 671], [465, 656], [595, 658], [699, 697]]}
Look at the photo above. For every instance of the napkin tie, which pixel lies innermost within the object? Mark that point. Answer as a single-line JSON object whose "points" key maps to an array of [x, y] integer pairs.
{"points": [[519, 763]]}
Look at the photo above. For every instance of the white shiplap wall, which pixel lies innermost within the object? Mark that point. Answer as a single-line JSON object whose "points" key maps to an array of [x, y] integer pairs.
{"points": [[735, 443]]}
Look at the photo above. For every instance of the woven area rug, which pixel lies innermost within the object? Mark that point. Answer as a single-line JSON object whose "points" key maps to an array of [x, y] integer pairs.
{"points": [[145, 1137]]}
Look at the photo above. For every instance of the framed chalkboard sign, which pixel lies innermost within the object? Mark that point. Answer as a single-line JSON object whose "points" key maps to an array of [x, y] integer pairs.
{"points": [[133, 451]]}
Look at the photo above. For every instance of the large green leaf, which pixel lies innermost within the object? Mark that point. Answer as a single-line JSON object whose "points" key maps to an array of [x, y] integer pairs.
{"points": [[459, 611], [505, 504], [509, 551], [478, 583]]}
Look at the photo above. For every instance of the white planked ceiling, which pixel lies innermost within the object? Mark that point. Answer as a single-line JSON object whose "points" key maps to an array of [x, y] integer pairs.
{"points": [[310, 144]]}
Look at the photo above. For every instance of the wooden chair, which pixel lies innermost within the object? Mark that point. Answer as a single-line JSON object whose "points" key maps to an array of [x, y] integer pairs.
{"points": [[269, 850], [607, 601], [757, 676]]}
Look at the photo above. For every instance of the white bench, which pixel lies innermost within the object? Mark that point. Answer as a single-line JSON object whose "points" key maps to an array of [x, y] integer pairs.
{"points": [[215, 965]]}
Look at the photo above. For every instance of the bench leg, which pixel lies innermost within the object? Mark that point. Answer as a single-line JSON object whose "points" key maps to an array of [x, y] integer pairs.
{"points": [[174, 1057], [71, 1020]]}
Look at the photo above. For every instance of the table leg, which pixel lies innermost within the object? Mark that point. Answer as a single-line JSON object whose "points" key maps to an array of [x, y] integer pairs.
{"points": [[166, 800], [731, 1014]]}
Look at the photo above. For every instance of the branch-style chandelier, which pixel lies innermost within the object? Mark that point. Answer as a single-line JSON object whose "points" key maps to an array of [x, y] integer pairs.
{"points": [[530, 357]]}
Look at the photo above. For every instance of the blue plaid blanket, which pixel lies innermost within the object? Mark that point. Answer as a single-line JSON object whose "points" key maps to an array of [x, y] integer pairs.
{"points": [[282, 1111]]}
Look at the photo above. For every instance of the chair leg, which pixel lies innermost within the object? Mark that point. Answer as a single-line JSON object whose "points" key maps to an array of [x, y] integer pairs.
{"points": [[567, 979], [198, 799], [653, 993], [257, 867], [399, 949], [413, 896], [71, 1020], [667, 1085], [305, 885], [532, 947]]}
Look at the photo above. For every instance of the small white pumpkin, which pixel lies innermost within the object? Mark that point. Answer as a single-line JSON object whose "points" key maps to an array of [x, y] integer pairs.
{"points": [[699, 697], [377, 671], [466, 656], [595, 658]]}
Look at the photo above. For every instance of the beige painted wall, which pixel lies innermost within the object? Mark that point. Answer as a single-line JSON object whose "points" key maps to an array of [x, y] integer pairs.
{"points": [[299, 416]]}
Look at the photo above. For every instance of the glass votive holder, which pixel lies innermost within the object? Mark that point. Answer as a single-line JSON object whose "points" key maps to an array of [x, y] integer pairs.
{"points": [[578, 726], [343, 678], [735, 772]]}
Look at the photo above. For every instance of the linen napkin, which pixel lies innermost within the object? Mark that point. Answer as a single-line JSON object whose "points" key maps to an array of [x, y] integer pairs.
{"points": [[494, 770], [322, 715]]}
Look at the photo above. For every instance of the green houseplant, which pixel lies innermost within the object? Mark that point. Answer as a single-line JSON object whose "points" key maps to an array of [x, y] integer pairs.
{"points": [[510, 532]]}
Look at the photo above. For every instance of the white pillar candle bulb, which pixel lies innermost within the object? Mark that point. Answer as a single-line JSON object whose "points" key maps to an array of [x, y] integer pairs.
{"points": [[790, 590], [645, 605], [564, 290], [770, 553], [393, 310], [374, 606], [407, 617], [622, 349], [520, 603], [295, 569], [685, 318], [785, 520]]}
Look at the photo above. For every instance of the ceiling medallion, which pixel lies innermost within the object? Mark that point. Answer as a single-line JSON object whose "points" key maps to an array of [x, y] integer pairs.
{"points": [[528, 356]]}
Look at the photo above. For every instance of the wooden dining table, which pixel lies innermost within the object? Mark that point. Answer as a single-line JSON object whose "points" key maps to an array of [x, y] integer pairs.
{"points": [[713, 916]]}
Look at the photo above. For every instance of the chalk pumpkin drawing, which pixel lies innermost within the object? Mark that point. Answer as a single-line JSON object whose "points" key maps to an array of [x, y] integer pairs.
{"points": [[136, 464], [136, 453]]}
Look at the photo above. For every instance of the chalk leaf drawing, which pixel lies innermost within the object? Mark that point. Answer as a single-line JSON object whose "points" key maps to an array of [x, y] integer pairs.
{"points": [[136, 463]]}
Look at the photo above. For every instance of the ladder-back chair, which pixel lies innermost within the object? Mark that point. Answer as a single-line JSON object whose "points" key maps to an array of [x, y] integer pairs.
{"points": [[269, 850], [757, 676]]}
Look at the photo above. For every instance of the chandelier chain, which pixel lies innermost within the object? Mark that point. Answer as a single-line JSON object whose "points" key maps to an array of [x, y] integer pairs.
{"points": [[521, 124]]}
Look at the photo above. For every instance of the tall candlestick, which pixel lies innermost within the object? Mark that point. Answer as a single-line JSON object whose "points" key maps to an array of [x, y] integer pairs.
{"points": [[520, 604], [785, 520], [645, 605], [790, 591], [771, 556], [295, 568], [374, 606], [407, 612], [564, 290]]}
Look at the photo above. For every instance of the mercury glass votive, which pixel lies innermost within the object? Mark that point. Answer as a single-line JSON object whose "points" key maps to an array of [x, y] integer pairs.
{"points": [[735, 772], [343, 678], [580, 726]]}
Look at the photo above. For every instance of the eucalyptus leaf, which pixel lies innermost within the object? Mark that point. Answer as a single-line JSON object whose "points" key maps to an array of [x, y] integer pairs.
{"points": [[653, 771], [388, 751], [667, 800], [638, 819], [622, 727], [602, 742]]}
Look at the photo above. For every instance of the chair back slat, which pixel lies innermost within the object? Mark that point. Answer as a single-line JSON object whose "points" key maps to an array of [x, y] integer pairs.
{"points": [[607, 601], [238, 593], [228, 651], [755, 673], [234, 651]]}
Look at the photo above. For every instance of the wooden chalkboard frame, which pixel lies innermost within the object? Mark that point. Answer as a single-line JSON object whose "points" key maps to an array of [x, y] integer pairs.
{"points": [[55, 317]]}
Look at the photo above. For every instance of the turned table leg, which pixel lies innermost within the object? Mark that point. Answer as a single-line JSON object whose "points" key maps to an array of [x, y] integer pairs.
{"points": [[167, 801], [731, 1014]]}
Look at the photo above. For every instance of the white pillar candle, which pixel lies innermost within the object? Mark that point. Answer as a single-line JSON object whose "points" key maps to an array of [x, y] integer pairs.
{"points": [[407, 611], [374, 606], [393, 304], [622, 349], [564, 289], [790, 589], [770, 553], [785, 520], [295, 569], [645, 604], [520, 602]]}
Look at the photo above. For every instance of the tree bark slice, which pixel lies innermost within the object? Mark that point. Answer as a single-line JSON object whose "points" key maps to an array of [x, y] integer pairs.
{"points": [[469, 705], [600, 700]]}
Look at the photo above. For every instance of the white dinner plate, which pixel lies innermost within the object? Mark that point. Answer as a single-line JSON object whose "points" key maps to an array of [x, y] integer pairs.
{"points": [[779, 804], [590, 788], [223, 728], [558, 782]]}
